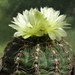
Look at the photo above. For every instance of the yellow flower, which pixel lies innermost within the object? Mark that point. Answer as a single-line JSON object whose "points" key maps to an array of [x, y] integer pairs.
{"points": [[56, 23], [29, 24], [38, 23]]}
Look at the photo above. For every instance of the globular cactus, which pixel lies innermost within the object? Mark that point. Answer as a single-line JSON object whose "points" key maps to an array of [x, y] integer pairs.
{"points": [[38, 46], [38, 57]]}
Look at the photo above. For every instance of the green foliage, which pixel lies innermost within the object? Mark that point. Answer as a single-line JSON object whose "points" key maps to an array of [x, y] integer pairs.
{"points": [[11, 7]]}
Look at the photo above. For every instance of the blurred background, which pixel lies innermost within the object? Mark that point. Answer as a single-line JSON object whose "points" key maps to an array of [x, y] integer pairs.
{"points": [[10, 8]]}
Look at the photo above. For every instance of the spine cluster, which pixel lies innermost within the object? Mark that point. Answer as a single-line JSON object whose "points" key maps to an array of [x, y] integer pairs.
{"points": [[36, 59]]}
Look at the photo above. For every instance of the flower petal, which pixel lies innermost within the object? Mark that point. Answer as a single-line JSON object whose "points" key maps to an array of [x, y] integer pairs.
{"points": [[26, 36], [16, 34]]}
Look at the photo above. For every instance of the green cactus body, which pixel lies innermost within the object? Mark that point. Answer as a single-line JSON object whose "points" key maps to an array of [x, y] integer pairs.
{"points": [[37, 56]]}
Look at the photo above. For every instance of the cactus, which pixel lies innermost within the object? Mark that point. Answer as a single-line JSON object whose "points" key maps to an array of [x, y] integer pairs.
{"points": [[37, 56], [38, 49]]}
